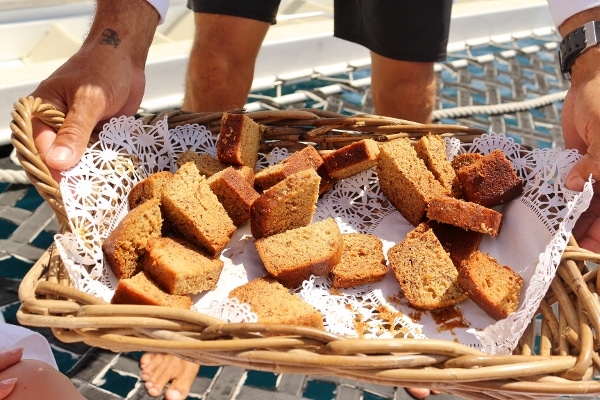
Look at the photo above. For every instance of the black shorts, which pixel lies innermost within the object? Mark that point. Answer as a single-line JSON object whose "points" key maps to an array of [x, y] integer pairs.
{"points": [[261, 10], [409, 30]]}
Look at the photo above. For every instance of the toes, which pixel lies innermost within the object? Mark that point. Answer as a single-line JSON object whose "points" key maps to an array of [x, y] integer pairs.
{"points": [[158, 369], [418, 393], [180, 386]]}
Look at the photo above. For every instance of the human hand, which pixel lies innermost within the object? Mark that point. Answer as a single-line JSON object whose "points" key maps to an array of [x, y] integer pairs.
{"points": [[105, 78], [581, 131], [90, 88], [8, 359]]}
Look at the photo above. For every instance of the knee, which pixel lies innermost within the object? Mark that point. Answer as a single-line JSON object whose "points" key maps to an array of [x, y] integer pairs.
{"points": [[220, 70]]}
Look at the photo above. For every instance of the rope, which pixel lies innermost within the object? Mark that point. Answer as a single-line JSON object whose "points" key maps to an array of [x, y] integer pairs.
{"points": [[495, 109], [14, 175]]}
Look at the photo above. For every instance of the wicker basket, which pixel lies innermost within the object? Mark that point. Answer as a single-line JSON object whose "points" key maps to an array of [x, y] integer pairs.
{"points": [[569, 316]]}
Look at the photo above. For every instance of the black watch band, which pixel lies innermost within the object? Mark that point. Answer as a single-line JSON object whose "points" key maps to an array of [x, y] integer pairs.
{"points": [[576, 43]]}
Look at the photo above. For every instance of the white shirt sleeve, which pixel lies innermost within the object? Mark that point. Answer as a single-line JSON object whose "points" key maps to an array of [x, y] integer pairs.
{"points": [[35, 346], [563, 9], [161, 6]]}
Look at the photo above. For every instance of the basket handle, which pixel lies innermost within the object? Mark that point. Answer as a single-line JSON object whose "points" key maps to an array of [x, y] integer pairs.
{"points": [[36, 170]]}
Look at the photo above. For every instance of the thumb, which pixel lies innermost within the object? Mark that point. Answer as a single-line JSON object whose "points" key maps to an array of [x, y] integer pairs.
{"points": [[588, 165], [71, 140], [580, 173]]}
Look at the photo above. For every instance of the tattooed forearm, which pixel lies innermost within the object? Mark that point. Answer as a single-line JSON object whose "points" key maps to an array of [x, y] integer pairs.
{"points": [[111, 38]]}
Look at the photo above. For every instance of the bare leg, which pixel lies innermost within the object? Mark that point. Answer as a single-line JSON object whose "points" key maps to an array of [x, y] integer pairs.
{"points": [[222, 59], [38, 380], [219, 77], [403, 89]]}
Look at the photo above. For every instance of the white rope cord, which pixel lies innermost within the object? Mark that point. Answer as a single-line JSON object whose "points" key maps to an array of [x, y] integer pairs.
{"points": [[14, 175], [495, 109]]}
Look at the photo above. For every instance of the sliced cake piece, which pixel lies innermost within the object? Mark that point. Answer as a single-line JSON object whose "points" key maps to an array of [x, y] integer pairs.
{"points": [[239, 140], [432, 150], [126, 244], [194, 211], [140, 289], [296, 254], [464, 159], [289, 204], [148, 188], [491, 180], [274, 304], [406, 181], [362, 261], [351, 159], [307, 158], [424, 270], [235, 194], [494, 287], [465, 214], [207, 165], [179, 267]]}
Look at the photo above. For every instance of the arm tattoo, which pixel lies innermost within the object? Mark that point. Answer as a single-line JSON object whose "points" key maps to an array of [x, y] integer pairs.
{"points": [[110, 38]]}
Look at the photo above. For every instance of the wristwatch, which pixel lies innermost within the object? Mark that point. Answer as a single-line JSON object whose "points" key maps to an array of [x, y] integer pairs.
{"points": [[575, 44]]}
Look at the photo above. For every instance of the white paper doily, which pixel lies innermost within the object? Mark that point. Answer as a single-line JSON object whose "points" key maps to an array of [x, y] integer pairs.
{"points": [[534, 233]]}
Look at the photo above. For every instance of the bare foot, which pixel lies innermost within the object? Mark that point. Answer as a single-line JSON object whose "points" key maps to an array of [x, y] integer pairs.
{"points": [[420, 393], [158, 369]]}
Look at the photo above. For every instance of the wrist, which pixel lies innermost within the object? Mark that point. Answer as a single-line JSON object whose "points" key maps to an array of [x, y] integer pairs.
{"points": [[586, 66], [581, 35], [123, 27]]}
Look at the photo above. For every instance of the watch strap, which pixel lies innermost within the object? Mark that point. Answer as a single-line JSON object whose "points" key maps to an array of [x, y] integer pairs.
{"points": [[576, 43]]}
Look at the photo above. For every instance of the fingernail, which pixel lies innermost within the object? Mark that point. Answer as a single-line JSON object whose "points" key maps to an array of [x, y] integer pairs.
{"points": [[10, 382], [60, 153], [16, 350]]}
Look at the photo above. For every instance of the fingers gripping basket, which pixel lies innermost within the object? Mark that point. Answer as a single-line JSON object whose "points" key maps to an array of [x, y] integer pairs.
{"points": [[556, 355]]}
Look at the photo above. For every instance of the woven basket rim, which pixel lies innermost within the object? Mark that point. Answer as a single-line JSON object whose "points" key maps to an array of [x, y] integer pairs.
{"points": [[565, 362]]}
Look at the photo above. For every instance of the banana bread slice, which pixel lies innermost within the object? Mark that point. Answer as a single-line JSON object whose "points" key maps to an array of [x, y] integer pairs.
{"points": [[425, 272], [465, 214], [432, 150], [235, 194], [296, 254], [126, 244], [239, 140], [491, 180], [179, 267], [140, 289], [362, 261], [289, 204], [405, 180], [494, 287], [274, 304], [194, 211]]}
